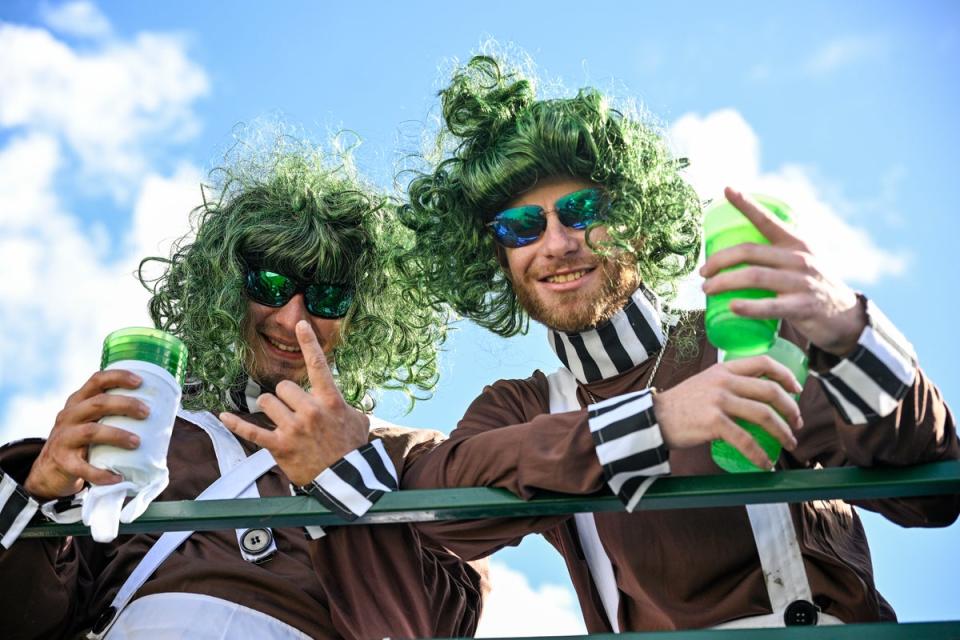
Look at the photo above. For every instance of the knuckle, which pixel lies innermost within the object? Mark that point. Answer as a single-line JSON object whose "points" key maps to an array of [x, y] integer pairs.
{"points": [[771, 391], [85, 431], [771, 417], [313, 411], [805, 260]]}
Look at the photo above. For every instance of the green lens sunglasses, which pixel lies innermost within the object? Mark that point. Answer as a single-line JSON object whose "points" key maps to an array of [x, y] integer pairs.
{"points": [[322, 299], [520, 226]]}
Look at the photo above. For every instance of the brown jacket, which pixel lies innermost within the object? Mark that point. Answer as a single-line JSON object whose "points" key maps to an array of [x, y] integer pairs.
{"points": [[355, 582], [685, 568]]}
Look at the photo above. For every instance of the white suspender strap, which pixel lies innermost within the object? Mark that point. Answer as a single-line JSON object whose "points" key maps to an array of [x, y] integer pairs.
{"points": [[227, 486], [562, 387], [780, 556], [256, 544]]}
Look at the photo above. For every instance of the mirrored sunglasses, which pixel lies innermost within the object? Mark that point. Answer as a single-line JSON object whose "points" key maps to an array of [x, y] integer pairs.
{"points": [[520, 226], [322, 299]]}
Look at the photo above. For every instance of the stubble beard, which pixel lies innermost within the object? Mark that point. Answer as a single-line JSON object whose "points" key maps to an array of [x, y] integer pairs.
{"points": [[581, 312], [262, 370]]}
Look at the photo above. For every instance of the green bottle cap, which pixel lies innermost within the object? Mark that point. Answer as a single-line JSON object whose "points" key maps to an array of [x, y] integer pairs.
{"points": [[721, 216], [147, 345]]}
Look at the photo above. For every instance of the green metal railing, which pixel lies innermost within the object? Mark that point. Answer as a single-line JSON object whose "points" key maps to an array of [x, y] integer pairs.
{"points": [[681, 492]]}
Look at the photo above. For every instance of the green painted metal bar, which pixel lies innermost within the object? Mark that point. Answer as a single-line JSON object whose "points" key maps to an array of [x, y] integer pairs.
{"points": [[874, 631], [674, 492]]}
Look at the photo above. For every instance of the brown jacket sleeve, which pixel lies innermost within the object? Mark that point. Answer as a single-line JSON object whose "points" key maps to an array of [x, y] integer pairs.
{"points": [[46, 582], [507, 439], [921, 429], [417, 587]]}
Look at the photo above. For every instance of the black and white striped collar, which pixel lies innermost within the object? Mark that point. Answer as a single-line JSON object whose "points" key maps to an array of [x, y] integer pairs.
{"points": [[631, 336], [242, 397]]}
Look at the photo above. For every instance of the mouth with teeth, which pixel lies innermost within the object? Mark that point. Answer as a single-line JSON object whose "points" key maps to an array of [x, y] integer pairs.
{"points": [[293, 350], [563, 278]]}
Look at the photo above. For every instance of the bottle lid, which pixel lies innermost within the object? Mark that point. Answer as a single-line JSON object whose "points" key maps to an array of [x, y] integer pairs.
{"points": [[147, 345], [721, 214]]}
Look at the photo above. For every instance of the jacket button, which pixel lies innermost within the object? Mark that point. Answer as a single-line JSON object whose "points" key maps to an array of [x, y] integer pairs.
{"points": [[104, 620], [255, 541], [801, 613]]}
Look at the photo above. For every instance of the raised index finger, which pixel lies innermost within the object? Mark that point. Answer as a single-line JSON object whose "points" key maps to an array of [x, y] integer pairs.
{"points": [[772, 227], [318, 371]]}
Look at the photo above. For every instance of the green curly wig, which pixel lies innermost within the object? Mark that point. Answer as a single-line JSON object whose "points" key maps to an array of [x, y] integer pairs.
{"points": [[310, 216], [496, 141]]}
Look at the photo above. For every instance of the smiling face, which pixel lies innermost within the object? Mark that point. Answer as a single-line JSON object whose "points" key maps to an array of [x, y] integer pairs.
{"points": [[558, 279], [275, 352]]}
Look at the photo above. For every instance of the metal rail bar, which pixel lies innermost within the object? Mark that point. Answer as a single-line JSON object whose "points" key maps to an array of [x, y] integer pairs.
{"points": [[672, 492], [949, 630]]}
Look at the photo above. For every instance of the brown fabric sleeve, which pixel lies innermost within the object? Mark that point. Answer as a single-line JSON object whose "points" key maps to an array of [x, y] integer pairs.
{"points": [[410, 587], [922, 429], [45, 581], [507, 439]]}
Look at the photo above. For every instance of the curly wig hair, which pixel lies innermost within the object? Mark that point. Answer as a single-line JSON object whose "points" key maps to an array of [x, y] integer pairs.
{"points": [[497, 140], [306, 214]]}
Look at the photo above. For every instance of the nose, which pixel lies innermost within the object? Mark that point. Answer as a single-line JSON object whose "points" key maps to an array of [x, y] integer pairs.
{"points": [[559, 240], [291, 313]]}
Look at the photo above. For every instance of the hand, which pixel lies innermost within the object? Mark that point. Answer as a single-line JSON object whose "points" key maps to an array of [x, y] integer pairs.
{"points": [[313, 429], [62, 467], [825, 311], [703, 407]]}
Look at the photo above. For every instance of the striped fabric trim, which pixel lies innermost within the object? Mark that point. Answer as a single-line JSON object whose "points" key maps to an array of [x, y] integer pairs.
{"points": [[243, 397], [869, 384], [354, 483], [16, 510], [628, 339], [65, 510], [629, 444]]}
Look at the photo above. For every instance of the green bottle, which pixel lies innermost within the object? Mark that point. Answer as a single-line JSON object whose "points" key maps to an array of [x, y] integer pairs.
{"points": [[724, 226], [160, 360], [725, 455]]}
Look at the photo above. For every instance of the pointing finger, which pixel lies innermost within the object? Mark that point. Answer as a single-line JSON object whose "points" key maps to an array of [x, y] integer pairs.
{"points": [[318, 371], [774, 229]]}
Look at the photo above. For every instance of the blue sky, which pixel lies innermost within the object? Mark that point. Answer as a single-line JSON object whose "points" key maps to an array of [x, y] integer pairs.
{"points": [[110, 114]]}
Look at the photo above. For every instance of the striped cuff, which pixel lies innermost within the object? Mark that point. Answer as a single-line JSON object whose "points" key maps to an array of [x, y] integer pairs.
{"points": [[352, 484], [16, 510], [869, 383], [628, 443]]}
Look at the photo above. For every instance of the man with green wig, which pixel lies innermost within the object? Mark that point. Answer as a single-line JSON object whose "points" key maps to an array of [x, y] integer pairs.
{"points": [[292, 266], [575, 214]]}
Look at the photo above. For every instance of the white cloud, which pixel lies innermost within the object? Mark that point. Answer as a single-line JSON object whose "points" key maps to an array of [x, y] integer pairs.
{"points": [[60, 295], [67, 284], [107, 105], [724, 150], [79, 18], [514, 608], [845, 51]]}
